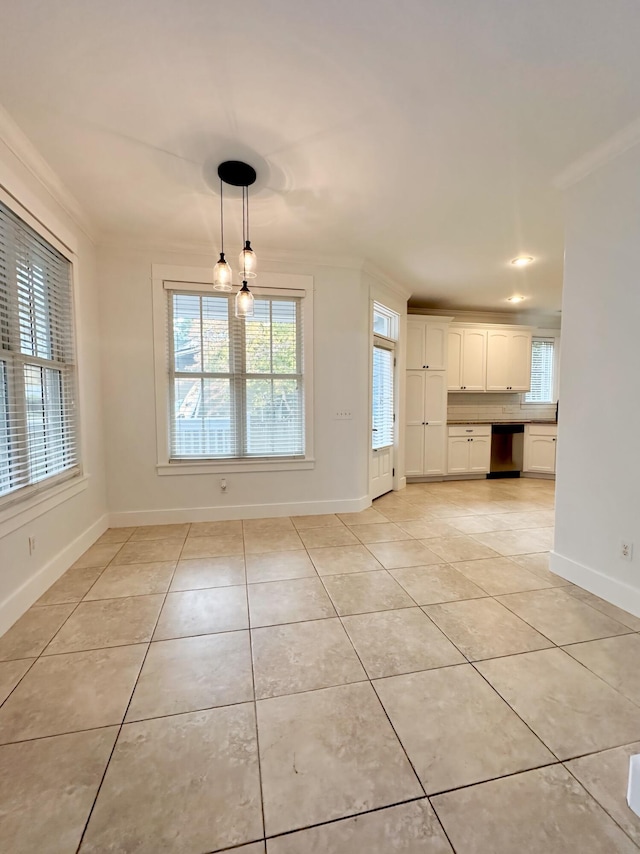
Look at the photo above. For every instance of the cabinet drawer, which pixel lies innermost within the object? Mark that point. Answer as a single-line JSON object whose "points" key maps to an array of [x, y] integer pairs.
{"points": [[470, 430], [542, 429]]}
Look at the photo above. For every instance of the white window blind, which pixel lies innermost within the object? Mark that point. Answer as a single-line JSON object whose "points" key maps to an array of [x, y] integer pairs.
{"points": [[382, 398], [542, 359], [38, 424], [236, 385]]}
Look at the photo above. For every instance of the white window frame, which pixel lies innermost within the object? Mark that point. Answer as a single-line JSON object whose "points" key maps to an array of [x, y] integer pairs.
{"points": [[200, 280], [554, 336], [33, 500]]}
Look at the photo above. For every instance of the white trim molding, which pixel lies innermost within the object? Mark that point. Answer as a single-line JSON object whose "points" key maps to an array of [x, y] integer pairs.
{"points": [[14, 606], [599, 156], [19, 144], [610, 589], [236, 511]]}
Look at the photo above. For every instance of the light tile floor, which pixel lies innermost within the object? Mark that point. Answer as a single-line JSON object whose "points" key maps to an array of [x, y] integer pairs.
{"points": [[412, 679]]}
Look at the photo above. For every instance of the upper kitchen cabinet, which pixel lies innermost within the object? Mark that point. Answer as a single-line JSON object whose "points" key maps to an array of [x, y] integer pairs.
{"points": [[467, 359], [508, 360], [427, 343]]}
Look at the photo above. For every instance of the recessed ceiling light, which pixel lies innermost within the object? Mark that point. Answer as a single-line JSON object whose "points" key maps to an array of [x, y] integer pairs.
{"points": [[515, 299], [522, 260]]}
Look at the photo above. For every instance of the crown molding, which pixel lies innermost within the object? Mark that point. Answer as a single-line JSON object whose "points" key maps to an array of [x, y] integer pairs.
{"points": [[380, 276], [25, 151], [539, 320], [123, 243], [599, 156]]}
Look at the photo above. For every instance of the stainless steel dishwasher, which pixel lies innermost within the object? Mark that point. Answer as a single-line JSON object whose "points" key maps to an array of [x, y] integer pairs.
{"points": [[507, 448]]}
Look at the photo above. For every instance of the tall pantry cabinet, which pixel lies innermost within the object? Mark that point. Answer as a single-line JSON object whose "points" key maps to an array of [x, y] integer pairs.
{"points": [[426, 395]]}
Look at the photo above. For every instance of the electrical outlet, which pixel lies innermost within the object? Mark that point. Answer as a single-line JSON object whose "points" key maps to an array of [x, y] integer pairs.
{"points": [[223, 484], [626, 550], [32, 545], [343, 415]]}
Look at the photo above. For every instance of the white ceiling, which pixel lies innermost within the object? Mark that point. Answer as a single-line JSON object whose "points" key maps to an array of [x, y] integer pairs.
{"points": [[423, 135]]}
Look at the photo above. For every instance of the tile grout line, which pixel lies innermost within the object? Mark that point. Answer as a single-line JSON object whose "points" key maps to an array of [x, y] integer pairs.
{"points": [[253, 684], [124, 715], [369, 680]]}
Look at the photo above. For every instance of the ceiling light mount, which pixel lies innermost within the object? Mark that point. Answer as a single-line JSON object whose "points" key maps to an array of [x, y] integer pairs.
{"points": [[237, 173], [522, 261]]}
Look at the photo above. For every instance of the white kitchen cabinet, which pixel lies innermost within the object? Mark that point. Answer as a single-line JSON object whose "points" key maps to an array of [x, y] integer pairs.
{"points": [[469, 448], [540, 448], [508, 360], [427, 343], [426, 411], [467, 359]]}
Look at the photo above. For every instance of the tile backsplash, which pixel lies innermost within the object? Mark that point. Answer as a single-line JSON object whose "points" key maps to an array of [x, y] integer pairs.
{"points": [[496, 407]]}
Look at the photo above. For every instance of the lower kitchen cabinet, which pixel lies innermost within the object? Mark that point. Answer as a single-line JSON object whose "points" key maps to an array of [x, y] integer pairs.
{"points": [[469, 449], [540, 448]]}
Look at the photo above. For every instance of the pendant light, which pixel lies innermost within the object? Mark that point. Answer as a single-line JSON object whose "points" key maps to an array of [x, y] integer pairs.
{"points": [[244, 297], [247, 259], [238, 174], [244, 302], [222, 270]]}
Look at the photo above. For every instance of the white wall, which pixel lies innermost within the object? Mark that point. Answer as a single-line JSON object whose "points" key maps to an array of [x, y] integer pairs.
{"points": [[341, 351], [598, 466], [65, 530]]}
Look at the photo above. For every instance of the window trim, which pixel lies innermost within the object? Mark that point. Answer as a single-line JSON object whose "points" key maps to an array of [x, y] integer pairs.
{"points": [[200, 280], [552, 335], [53, 489]]}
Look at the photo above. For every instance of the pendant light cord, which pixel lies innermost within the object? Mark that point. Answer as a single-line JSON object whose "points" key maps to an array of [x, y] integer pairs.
{"points": [[221, 221], [244, 272]]}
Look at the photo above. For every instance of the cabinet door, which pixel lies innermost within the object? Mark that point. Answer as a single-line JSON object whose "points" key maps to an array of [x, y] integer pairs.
{"points": [[540, 454], [519, 378], [454, 369], [498, 362], [415, 405], [435, 406], [415, 345], [434, 449], [458, 454], [414, 448], [474, 360], [480, 454], [435, 347]]}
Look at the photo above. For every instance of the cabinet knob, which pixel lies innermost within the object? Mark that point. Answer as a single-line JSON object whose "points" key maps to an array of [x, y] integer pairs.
{"points": [[554, 438], [426, 366]]}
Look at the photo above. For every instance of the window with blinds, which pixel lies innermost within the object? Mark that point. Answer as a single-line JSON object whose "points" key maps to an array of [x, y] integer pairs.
{"points": [[236, 386], [542, 360], [38, 424], [382, 398]]}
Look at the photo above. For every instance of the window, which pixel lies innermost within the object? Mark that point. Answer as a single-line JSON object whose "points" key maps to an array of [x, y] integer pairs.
{"points": [[236, 386], [38, 434], [542, 371], [382, 397]]}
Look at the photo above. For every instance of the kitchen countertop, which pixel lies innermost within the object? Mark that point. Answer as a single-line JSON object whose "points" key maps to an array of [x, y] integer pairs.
{"points": [[496, 421]]}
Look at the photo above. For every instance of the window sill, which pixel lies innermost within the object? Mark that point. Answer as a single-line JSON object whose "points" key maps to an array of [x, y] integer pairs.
{"points": [[227, 466], [22, 512]]}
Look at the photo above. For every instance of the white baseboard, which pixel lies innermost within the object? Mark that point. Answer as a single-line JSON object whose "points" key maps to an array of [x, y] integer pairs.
{"points": [[236, 511], [30, 591], [611, 589]]}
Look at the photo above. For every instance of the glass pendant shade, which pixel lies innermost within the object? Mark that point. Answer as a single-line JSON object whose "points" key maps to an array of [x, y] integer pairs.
{"points": [[248, 261], [222, 275], [244, 302]]}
